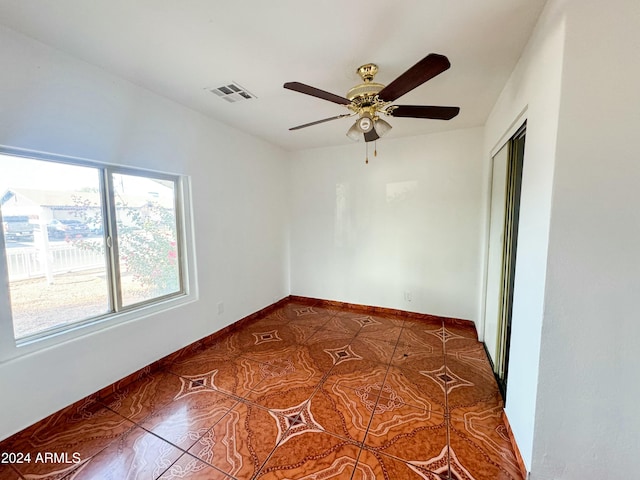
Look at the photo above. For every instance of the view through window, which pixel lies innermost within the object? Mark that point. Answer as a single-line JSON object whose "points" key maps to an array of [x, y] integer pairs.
{"points": [[82, 242], [147, 237]]}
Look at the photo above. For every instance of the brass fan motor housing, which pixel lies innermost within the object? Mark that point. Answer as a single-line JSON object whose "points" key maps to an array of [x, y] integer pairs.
{"points": [[364, 97], [369, 88]]}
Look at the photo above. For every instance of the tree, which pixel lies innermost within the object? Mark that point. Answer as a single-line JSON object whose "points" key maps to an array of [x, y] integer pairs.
{"points": [[146, 242]]}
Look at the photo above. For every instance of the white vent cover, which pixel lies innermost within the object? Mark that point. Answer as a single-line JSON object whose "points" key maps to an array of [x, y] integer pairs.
{"points": [[232, 92]]}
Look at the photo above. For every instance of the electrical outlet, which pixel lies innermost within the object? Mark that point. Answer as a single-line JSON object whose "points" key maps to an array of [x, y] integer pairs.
{"points": [[220, 308]]}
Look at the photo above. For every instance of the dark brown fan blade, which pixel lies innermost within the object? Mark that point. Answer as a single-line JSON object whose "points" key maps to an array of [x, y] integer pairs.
{"points": [[371, 136], [427, 68], [321, 121], [316, 92], [425, 111]]}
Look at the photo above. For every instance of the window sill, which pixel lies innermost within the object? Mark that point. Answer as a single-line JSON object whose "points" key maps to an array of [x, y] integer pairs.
{"points": [[30, 345]]}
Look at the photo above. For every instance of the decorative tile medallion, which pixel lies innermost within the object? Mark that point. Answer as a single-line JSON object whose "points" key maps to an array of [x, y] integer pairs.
{"points": [[368, 395], [441, 466], [264, 337], [443, 334], [277, 368], [191, 384], [294, 421], [446, 379], [342, 354], [366, 321], [388, 400]]}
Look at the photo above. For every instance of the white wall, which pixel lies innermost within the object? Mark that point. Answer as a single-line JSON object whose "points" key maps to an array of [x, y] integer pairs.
{"points": [[573, 379], [587, 423], [409, 221], [533, 94], [54, 103]]}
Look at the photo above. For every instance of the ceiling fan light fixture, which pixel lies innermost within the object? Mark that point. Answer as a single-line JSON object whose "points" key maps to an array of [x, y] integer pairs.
{"points": [[382, 127], [365, 124], [354, 133]]}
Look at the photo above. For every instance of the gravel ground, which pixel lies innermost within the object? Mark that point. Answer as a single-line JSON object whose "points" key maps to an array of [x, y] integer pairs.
{"points": [[71, 297]]}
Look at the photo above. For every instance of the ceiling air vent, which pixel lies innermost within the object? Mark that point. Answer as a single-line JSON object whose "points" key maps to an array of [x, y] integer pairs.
{"points": [[232, 92]]}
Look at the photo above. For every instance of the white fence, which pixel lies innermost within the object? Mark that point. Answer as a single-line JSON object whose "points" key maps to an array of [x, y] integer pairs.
{"points": [[27, 262]]}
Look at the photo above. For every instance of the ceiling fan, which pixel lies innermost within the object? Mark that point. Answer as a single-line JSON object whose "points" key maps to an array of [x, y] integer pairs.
{"points": [[370, 99]]}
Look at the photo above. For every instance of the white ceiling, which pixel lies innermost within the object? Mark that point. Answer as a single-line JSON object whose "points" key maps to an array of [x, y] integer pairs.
{"points": [[179, 48]]}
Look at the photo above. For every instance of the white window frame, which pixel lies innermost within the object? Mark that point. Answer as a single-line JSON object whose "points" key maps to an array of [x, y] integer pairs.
{"points": [[11, 348]]}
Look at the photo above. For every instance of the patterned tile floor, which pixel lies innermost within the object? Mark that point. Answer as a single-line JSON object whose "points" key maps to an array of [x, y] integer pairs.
{"points": [[304, 392]]}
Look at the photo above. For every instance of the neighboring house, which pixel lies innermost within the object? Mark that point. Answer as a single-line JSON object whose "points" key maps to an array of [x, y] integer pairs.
{"points": [[48, 205]]}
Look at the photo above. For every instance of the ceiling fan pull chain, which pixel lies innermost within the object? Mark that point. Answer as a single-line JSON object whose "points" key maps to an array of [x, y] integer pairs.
{"points": [[375, 148], [367, 153]]}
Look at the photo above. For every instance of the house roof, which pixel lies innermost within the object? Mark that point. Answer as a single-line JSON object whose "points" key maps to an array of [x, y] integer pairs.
{"points": [[25, 197]]}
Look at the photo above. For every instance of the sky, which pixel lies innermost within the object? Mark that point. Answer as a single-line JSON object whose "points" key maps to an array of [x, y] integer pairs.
{"points": [[16, 172], [21, 172]]}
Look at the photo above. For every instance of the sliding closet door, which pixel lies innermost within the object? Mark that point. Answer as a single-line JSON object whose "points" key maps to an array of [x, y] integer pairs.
{"points": [[503, 241], [496, 249]]}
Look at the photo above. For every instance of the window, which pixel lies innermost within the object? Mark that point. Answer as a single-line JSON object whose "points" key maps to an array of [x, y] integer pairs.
{"points": [[84, 243]]}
